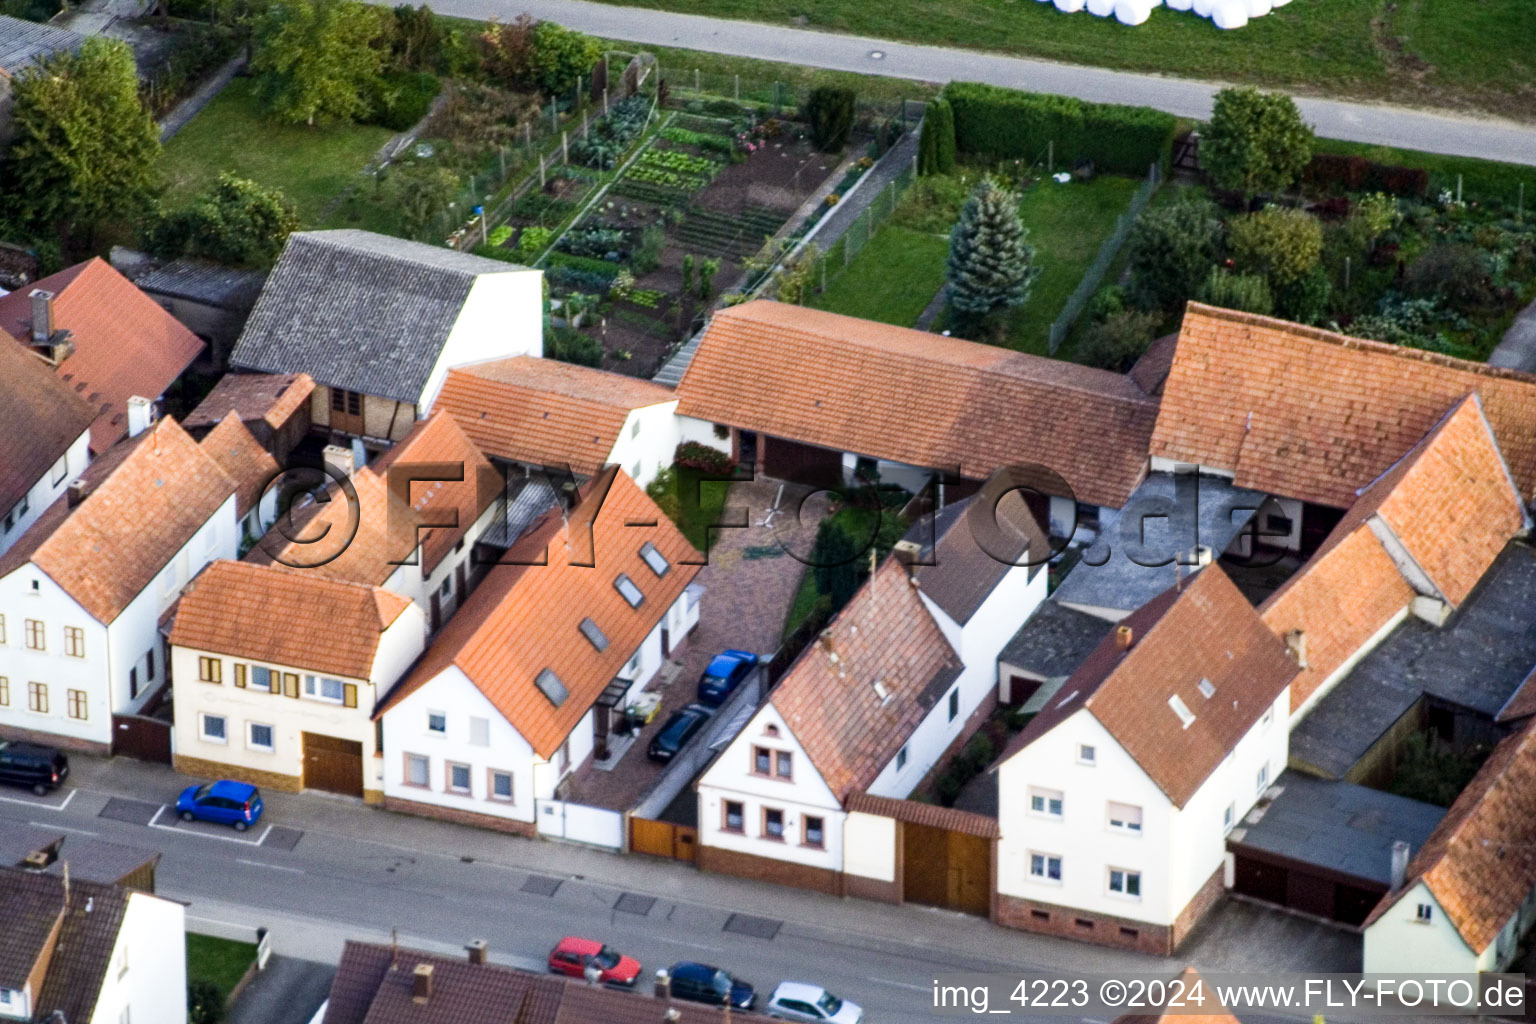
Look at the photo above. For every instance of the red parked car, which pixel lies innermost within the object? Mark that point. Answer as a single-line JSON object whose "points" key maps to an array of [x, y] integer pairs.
{"points": [[573, 955]]}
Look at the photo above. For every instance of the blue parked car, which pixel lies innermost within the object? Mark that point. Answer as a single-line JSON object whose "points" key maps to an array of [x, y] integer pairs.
{"points": [[224, 802], [723, 675]]}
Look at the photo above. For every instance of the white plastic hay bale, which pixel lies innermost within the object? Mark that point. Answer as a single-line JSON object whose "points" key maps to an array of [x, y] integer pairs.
{"points": [[1132, 12], [1203, 7], [1279, 3], [1069, 6], [1101, 8], [1180, 5], [1230, 14], [1259, 8]]}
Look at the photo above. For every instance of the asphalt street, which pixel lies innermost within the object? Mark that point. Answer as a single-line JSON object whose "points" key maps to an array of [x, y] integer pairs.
{"points": [[318, 870], [1376, 124]]}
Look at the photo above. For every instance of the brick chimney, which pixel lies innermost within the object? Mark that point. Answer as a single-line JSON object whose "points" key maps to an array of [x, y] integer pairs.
{"points": [[77, 492], [42, 315], [477, 949], [1124, 637], [421, 983]]}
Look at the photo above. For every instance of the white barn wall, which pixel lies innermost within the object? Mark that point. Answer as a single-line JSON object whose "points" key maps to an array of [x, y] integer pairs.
{"points": [[44, 492], [153, 988], [502, 316]]}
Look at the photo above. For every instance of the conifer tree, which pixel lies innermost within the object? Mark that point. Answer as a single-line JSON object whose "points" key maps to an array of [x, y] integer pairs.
{"points": [[991, 263]]}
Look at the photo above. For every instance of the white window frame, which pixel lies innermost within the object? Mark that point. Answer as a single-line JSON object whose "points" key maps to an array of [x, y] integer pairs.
{"points": [[1425, 913], [1263, 778], [1126, 876], [1228, 818], [426, 763], [491, 793], [1123, 818], [250, 737], [314, 689], [1087, 754], [59, 470], [203, 718], [1045, 798], [1044, 875], [450, 768], [439, 715]]}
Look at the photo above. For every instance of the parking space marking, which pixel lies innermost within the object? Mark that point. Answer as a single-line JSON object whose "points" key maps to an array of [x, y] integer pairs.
{"points": [[269, 867], [206, 835], [38, 801], [158, 812], [63, 828], [900, 984], [134, 812], [692, 945]]}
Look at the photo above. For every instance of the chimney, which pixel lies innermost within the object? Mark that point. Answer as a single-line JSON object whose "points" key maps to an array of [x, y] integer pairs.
{"points": [[663, 988], [907, 553], [1399, 864], [77, 492], [1296, 645], [141, 413], [339, 458], [421, 983], [673, 1015], [1124, 637], [42, 316], [60, 348], [477, 949]]}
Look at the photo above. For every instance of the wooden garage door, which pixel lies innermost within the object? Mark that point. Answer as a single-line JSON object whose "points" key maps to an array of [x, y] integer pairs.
{"points": [[948, 869], [801, 463], [333, 765]]}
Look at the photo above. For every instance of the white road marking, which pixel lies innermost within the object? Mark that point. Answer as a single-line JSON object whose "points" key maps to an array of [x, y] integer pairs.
{"points": [[37, 802], [222, 924], [695, 945], [204, 835], [64, 828], [158, 811], [264, 836], [269, 867], [900, 984]]}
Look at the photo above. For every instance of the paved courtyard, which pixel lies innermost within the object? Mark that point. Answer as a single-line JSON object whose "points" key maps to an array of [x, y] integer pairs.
{"points": [[749, 583]]}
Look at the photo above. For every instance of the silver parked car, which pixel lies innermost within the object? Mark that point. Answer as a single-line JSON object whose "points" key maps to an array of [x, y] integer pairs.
{"points": [[795, 1000]]}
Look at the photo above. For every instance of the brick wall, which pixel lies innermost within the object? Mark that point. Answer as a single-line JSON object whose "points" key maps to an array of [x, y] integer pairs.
{"points": [[219, 770], [766, 869], [1105, 930], [458, 817], [49, 739], [871, 889]]}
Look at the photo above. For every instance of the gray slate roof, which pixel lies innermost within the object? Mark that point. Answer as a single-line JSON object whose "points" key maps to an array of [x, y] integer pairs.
{"points": [[1166, 515], [1477, 660], [963, 574], [1338, 825], [208, 283], [360, 311], [90, 860], [24, 44], [1054, 640]]}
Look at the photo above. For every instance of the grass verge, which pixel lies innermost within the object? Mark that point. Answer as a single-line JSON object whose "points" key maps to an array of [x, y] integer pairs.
{"points": [[220, 961], [892, 279]]}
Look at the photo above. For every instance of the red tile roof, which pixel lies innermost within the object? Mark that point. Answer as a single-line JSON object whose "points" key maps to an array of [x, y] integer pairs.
{"points": [[848, 728], [239, 454], [525, 618], [268, 397], [125, 344], [1205, 631], [361, 541], [145, 500], [950, 819], [1310, 414], [1480, 861], [40, 417], [918, 398], [436, 447], [545, 412], [266, 615], [1445, 510]]}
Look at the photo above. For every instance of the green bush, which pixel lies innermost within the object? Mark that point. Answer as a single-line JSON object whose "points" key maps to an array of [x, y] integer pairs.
{"points": [[702, 457], [1256, 142], [994, 123], [829, 109], [401, 98], [205, 1002], [1118, 341], [1106, 302], [1305, 300], [570, 346], [586, 263], [936, 144], [1456, 272], [1170, 250], [1248, 293], [1283, 245]]}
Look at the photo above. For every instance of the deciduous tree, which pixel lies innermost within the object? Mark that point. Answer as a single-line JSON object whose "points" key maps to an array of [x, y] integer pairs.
{"points": [[1170, 251], [1256, 142], [317, 61], [237, 222]]}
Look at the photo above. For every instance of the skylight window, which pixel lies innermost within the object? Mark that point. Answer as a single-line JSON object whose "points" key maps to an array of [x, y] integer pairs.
{"points": [[550, 686], [626, 586], [1182, 710], [1207, 689], [881, 691], [594, 635], [655, 559]]}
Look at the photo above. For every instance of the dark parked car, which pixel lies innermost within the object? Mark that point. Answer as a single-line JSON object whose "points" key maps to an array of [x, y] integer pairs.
{"points": [[33, 765], [702, 983], [224, 802], [724, 674], [677, 731]]}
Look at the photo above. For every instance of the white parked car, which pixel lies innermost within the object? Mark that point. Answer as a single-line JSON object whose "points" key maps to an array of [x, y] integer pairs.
{"points": [[794, 1000]]}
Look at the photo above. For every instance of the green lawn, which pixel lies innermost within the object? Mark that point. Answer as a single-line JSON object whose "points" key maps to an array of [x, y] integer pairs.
{"points": [[1067, 225], [310, 165], [892, 279], [1439, 52], [221, 961]]}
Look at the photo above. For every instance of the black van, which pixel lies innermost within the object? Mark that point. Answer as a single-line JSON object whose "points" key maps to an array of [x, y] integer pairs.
{"points": [[701, 983], [32, 764]]}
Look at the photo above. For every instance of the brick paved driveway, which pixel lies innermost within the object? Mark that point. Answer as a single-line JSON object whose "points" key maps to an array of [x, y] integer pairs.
{"points": [[750, 581]]}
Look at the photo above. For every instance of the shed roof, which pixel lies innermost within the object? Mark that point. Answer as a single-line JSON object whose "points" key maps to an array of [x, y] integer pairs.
{"points": [[40, 417]]}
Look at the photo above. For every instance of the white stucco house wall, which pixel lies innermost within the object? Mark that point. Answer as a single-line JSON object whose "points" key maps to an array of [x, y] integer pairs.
{"points": [[83, 593], [481, 729], [258, 699], [1115, 800], [378, 322]]}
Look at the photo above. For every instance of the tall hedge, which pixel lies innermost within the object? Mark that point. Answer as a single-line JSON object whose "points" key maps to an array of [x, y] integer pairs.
{"points": [[936, 145], [994, 123], [830, 111]]}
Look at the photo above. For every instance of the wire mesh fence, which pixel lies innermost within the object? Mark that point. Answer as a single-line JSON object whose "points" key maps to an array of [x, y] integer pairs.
{"points": [[1094, 276], [685, 84]]}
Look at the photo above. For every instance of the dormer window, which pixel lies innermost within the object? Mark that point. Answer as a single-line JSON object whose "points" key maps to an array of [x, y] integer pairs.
{"points": [[626, 586], [1207, 689], [655, 559], [1186, 716], [551, 687]]}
